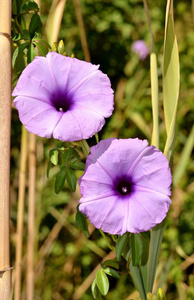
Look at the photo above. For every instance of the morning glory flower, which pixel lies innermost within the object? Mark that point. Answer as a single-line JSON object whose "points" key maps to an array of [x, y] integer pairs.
{"points": [[141, 49], [63, 97], [125, 186]]}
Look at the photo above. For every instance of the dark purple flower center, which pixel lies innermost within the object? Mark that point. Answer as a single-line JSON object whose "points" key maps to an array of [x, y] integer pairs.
{"points": [[124, 186], [61, 101]]}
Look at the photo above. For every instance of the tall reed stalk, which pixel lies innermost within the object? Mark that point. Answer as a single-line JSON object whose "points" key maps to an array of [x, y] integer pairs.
{"points": [[5, 121], [82, 32], [54, 20], [31, 216], [20, 213]]}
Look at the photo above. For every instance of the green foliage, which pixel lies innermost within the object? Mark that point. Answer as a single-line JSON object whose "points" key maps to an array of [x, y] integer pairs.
{"points": [[68, 160], [69, 259], [82, 223]]}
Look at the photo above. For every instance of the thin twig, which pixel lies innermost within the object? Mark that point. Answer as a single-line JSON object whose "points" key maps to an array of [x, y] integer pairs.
{"points": [[82, 30]]}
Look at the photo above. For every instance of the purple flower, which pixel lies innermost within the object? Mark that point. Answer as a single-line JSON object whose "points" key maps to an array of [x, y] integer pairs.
{"points": [[141, 49], [63, 97], [126, 186]]}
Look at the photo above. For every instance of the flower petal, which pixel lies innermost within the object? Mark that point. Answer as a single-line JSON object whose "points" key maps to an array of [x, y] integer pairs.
{"points": [[146, 209], [102, 213], [112, 161], [40, 119], [118, 155], [35, 75], [77, 125], [79, 96], [152, 171]]}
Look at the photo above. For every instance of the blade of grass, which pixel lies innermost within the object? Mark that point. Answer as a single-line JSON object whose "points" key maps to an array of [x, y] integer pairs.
{"points": [[135, 274], [5, 124], [170, 91], [170, 81], [154, 83], [155, 244]]}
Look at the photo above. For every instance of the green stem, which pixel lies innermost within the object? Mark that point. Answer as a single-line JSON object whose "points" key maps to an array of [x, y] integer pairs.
{"points": [[105, 237], [85, 147]]}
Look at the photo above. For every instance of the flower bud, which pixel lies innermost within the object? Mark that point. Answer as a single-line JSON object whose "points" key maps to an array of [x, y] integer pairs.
{"points": [[61, 47]]}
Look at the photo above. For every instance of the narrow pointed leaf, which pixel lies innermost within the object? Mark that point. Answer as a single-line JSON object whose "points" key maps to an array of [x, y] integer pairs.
{"points": [[34, 23], [155, 244], [136, 248], [67, 155], [77, 166], [102, 282], [31, 53], [171, 79], [111, 263], [94, 288], [53, 154], [71, 179], [154, 93], [120, 245], [111, 272], [41, 49], [17, 51], [60, 180], [82, 223], [134, 271]]}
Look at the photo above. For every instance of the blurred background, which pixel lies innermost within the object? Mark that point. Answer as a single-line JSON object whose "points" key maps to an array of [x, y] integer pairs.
{"points": [[64, 259]]}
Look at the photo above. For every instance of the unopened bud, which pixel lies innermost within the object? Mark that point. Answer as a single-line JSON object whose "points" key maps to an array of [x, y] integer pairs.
{"points": [[160, 294], [54, 47], [61, 47]]}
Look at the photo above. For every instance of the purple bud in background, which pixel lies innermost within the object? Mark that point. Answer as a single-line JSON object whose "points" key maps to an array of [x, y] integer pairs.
{"points": [[141, 49]]}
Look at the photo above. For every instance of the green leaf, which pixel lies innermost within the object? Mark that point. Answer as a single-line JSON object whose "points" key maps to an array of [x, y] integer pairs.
{"points": [[17, 51], [154, 93], [71, 179], [144, 259], [120, 245], [111, 272], [155, 244], [16, 5], [134, 271], [41, 49], [34, 23], [94, 288], [67, 156], [171, 80], [53, 154], [102, 282], [31, 53], [30, 6], [76, 154], [111, 263], [82, 223], [60, 180], [78, 165], [49, 166], [136, 248]]}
